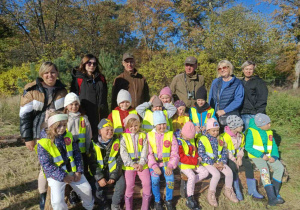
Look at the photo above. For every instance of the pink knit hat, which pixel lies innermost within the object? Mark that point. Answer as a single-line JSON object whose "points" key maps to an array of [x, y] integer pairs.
{"points": [[188, 130], [165, 91], [212, 123]]}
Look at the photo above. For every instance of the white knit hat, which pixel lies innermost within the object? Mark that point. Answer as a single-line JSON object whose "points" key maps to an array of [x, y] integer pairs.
{"points": [[70, 98], [123, 95]]}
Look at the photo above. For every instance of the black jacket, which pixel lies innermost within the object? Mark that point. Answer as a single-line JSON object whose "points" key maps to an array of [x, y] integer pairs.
{"points": [[33, 107], [93, 96], [99, 173], [256, 96]]}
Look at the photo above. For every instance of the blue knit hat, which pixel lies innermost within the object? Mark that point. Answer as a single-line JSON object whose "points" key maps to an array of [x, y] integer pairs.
{"points": [[159, 117]]}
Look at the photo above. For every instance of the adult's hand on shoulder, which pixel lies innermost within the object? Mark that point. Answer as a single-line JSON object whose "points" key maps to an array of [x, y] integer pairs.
{"points": [[30, 144]]}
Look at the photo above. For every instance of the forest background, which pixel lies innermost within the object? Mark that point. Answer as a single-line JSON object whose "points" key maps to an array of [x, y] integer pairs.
{"points": [[160, 33]]}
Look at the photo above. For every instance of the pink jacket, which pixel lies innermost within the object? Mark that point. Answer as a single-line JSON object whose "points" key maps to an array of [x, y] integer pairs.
{"points": [[236, 140], [174, 157]]}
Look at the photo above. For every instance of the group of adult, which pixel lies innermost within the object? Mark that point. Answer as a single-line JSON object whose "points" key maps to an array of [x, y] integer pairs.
{"points": [[228, 95]]}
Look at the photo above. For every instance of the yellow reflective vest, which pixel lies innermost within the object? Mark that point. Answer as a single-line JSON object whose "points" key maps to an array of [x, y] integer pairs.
{"points": [[148, 121], [258, 143], [118, 129], [112, 160], [227, 138], [185, 147], [208, 149], [55, 154], [130, 149], [195, 118], [167, 144]]}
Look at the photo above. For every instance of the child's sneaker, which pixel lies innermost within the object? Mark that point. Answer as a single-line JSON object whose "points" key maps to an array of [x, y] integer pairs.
{"points": [[169, 205], [211, 198], [229, 193], [158, 205]]}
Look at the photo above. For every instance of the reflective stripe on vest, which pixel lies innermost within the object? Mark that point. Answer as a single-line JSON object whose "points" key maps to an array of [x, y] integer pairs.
{"points": [[130, 148], [81, 135], [227, 138], [55, 154], [148, 121], [118, 128], [167, 144], [185, 147], [258, 143], [195, 118], [208, 149], [112, 161]]}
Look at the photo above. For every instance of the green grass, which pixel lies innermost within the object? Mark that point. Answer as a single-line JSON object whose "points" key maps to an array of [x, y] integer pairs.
{"points": [[19, 167]]}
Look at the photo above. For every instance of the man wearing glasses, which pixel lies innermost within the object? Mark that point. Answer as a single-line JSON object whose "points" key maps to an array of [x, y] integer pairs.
{"points": [[132, 81], [185, 85]]}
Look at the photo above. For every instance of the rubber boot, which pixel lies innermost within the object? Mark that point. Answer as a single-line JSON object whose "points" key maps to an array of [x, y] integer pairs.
{"points": [[73, 198], [277, 186], [229, 193], [251, 183], [272, 199], [192, 204], [103, 203], [128, 203], [169, 205], [238, 193], [158, 205], [43, 200], [211, 198], [146, 202]]}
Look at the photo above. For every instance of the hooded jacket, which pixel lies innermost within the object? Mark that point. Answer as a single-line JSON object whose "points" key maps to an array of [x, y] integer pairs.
{"points": [[249, 142], [33, 106], [99, 173], [256, 95], [92, 94]]}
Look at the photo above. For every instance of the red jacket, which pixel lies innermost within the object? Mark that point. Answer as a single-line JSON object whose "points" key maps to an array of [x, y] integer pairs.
{"points": [[123, 114], [188, 159]]}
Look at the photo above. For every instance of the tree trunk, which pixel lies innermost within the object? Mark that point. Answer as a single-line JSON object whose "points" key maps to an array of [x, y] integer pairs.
{"points": [[297, 69]]}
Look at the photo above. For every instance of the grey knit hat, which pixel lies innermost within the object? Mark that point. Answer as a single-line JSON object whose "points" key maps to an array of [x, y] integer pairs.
{"points": [[234, 121], [261, 119]]}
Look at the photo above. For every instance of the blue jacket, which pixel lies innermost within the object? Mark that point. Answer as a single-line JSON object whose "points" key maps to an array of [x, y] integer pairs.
{"points": [[231, 94], [201, 116]]}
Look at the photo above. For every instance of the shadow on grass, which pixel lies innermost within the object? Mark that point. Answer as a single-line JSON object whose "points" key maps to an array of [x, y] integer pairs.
{"points": [[277, 138], [25, 203], [28, 186]]}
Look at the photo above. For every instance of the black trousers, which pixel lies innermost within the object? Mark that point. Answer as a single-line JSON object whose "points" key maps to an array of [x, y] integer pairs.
{"points": [[248, 168]]}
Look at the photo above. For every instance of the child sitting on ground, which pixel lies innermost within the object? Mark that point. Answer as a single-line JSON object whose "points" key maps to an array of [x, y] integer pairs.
{"points": [[201, 111], [189, 162], [60, 159], [106, 165], [234, 142], [214, 158], [163, 158], [263, 151], [134, 152], [123, 109], [144, 111]]}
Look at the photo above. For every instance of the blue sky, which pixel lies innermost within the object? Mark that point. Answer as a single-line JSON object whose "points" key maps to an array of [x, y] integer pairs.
{"points": [[258, 6]]}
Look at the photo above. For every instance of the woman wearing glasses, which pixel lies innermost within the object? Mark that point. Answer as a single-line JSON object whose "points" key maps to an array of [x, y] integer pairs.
{"points": [[91, 87], [226, 93], [256, 93]]}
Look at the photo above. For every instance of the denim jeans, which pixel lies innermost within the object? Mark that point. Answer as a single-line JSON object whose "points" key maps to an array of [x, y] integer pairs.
{"points": [[246, 118]]}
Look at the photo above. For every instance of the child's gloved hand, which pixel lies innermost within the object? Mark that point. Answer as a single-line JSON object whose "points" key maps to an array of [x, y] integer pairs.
{"points": [[271, 160], [168, 171], [265, 158], [157, 171], [111, 181], [77, 176], [68, 179], [102, 182]]}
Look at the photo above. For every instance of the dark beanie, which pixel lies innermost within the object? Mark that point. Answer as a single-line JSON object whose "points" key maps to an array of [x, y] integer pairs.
{"points": [[201, 93]]}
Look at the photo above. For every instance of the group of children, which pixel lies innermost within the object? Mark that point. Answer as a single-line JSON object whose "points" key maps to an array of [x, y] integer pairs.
{"points": [[165, 138]]}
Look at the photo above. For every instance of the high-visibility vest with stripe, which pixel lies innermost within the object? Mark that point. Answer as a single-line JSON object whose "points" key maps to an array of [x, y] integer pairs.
{"points": [[112, 160], [148, 121], [258, 143], [227, 138], [130, 148], [195, 118], [167, 144], [55, 154], [185, 147], [208, 149], [118, 129]]}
